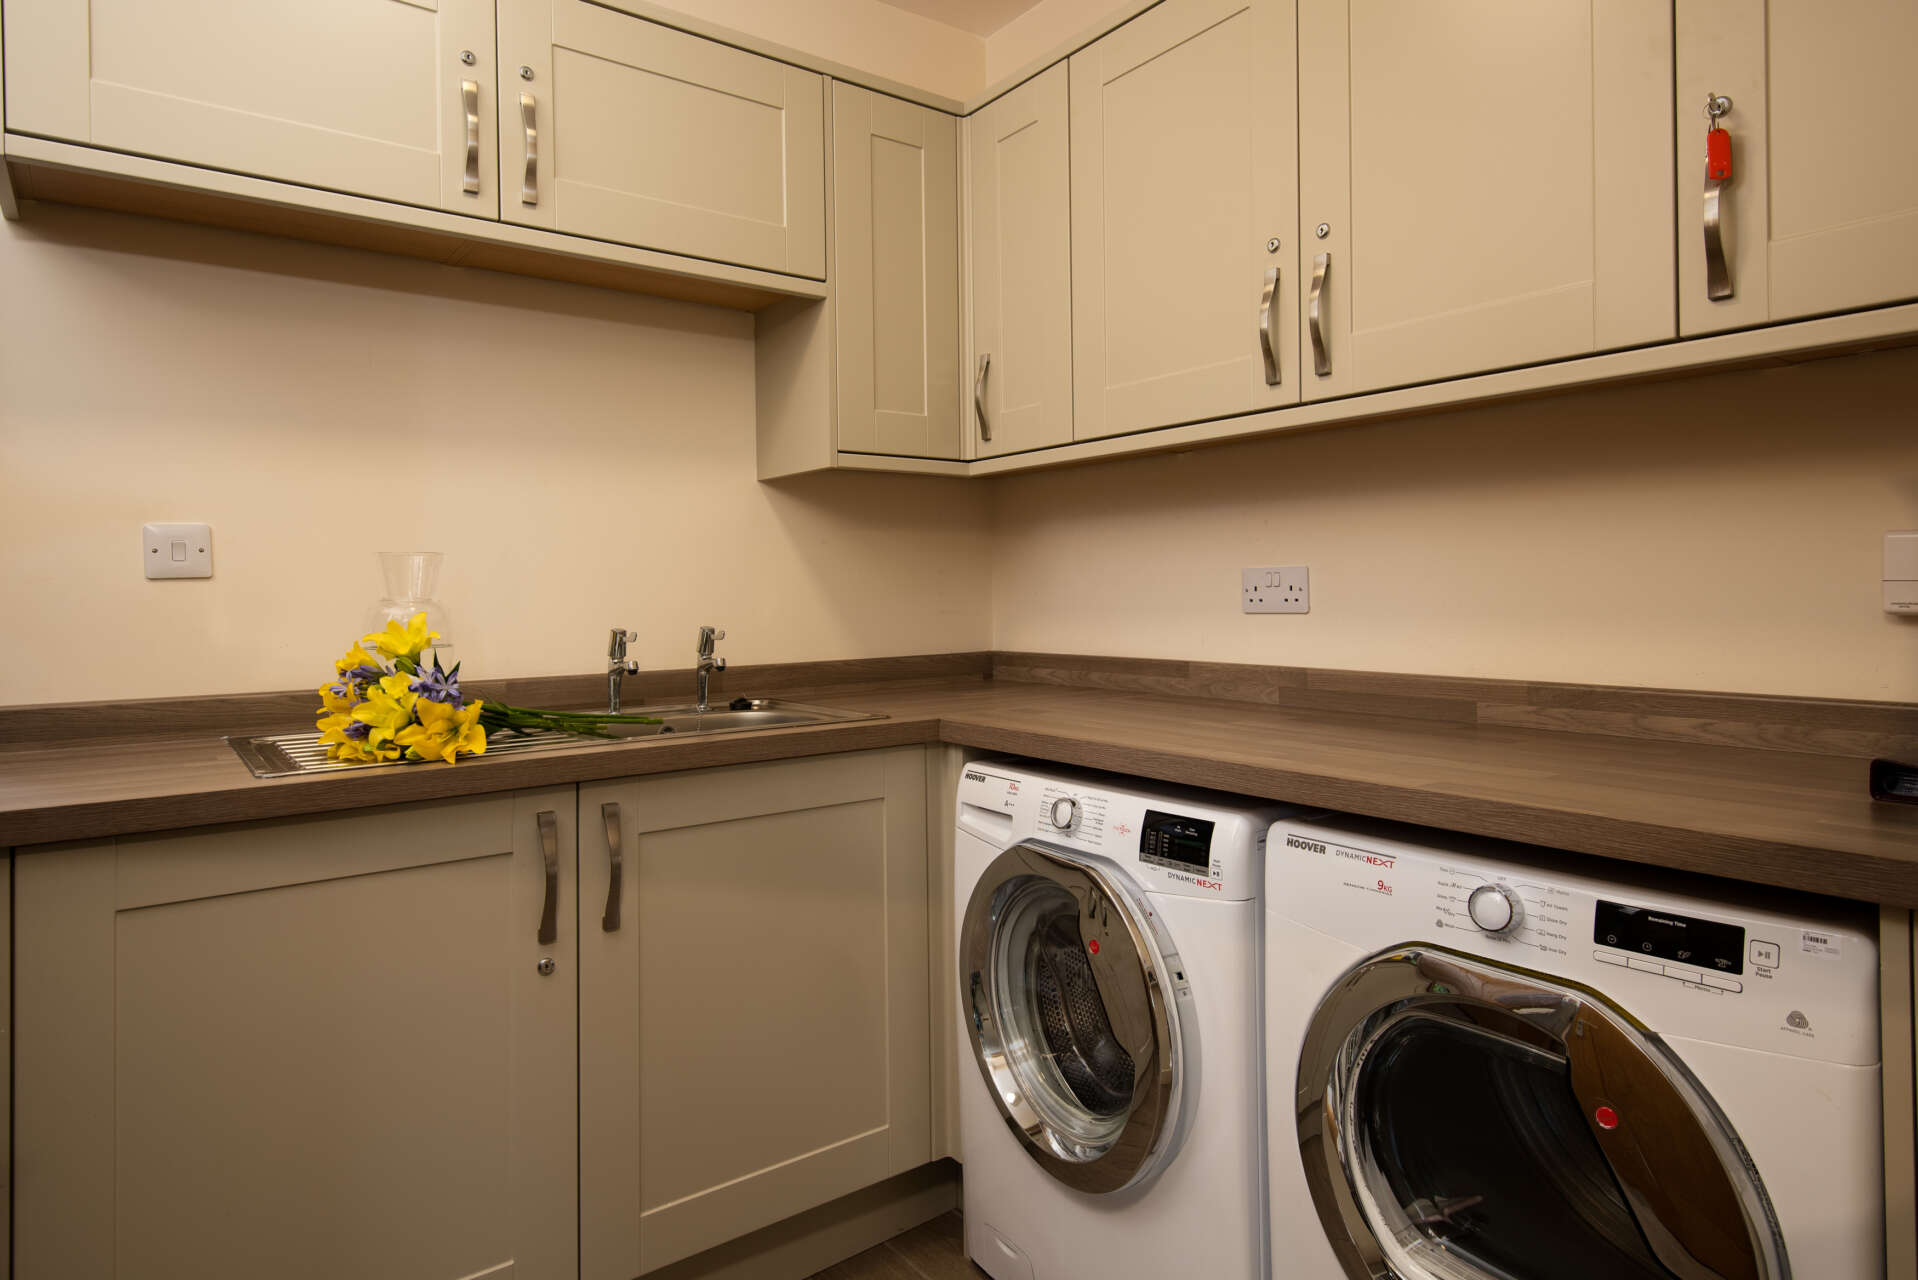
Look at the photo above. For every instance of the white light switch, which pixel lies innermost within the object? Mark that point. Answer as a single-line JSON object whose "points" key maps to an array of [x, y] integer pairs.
{"points": [[1901, 572], [1284, 588], [177, 550]]}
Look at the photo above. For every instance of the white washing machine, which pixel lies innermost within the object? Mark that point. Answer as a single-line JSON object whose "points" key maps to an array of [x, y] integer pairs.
{"points": [[1111, 1099], [1485, 1061]]}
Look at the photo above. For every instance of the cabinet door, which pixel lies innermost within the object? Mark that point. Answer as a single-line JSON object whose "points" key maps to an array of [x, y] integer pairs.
{"points": [[1184, 170], [373, 97], [303, 1049], [1492, 178], [896, 275], [1821, 212], [755, 1014], [1021, 237], [620, 129]]}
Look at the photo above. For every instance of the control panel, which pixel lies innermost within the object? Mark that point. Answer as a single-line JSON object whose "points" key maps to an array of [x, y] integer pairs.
{"points": [[1177, 841], [1689, 948], [1170, 840], [1728, 969]]}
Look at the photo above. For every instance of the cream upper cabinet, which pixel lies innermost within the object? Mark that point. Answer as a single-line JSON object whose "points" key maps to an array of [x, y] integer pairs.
{"points": [[1493, 183], [754, 1002], [1020, 233], [895, 275], [619, 129], [392, 99], [1184, 207], [304, 1050], [1820, 213]]}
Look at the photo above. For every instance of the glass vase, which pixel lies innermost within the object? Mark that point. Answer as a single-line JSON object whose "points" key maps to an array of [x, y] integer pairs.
{"points": [[412, 577]]}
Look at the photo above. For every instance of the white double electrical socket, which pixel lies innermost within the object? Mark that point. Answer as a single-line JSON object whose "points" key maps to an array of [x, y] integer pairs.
{"points": [[1284, 588], [1901, 572]]}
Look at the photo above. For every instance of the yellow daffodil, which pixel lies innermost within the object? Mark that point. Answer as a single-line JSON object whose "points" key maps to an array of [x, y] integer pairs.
{"points": [[444, 731], [387, 710], [336, 732], [333, 729], [364, 752], [335, 704], [356, 658], [402, 642]]}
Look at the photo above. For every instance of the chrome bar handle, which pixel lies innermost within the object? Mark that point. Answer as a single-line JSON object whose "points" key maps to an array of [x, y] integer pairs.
{"points": [[615, 864], [469, 100], [549, 847], [1315, 317], [979, 396], [529, 118], [1718, 279], [1265, 327]]}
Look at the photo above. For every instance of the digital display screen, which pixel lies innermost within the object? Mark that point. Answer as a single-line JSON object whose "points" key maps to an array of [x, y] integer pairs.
{"points": [[1710, 945], [1172, 840]]}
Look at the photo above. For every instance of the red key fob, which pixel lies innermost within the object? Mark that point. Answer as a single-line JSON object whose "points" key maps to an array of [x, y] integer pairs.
{"points": [[1718, 155]]}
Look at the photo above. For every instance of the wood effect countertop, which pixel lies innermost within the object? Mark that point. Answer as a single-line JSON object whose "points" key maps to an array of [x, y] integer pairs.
{"points": [[1783, 818]]}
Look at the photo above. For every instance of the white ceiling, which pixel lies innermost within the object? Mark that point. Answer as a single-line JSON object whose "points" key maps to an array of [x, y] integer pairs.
{"points": [[981, 17]]}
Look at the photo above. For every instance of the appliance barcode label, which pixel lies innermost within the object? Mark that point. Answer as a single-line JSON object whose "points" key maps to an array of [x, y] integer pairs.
{"points": [[1818, 944]]}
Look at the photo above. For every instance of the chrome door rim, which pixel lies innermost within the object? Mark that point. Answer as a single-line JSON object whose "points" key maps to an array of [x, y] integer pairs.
{"points": [[1373, 1237], [1131, 960]]}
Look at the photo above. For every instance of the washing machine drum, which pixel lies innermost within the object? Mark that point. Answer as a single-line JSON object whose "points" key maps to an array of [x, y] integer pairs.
{"points": [[1462, 1120], [1063, 985]]}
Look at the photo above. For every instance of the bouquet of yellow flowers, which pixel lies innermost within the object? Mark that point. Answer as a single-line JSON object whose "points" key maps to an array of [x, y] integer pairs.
{"points": [[385, 706]]}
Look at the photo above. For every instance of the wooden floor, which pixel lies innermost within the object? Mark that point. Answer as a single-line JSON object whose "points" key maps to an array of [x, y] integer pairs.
{"points": [[935, 1251]]}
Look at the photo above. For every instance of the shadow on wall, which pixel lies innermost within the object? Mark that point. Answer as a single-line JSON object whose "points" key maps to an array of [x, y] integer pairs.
{"points": [[1819, 411], [156, 238], [872, 544]]}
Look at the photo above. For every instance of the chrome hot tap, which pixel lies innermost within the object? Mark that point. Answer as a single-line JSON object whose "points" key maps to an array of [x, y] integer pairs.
{"points": [[618, 665], [703, 671]]}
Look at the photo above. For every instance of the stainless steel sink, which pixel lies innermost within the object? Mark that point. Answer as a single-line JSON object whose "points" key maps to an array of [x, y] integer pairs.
{"points": [[758, 713], [279, 755]]}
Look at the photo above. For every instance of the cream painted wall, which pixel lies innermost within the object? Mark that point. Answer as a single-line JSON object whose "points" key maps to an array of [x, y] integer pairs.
{"points": [[1716, 533], [584, 458]]}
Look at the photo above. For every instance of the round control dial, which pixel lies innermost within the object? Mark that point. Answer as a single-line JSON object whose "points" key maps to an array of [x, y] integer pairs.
{"points": [[1064, 814], [1494, 908]]}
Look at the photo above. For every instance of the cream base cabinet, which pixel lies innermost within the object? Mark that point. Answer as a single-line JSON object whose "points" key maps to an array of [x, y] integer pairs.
{"points": [[1019, 198], [1184, 204], [754, 1007], [1821, 211], [391, 99], [896, 275], [304, 1050], [1483, 184], [619, 129]]}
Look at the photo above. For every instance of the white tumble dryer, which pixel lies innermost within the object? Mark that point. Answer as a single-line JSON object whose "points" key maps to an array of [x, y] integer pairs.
{"points": [[1110, 1095], [1492, 1062]]}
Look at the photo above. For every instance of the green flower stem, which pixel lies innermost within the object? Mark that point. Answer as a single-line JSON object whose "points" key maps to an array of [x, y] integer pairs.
{"points": [[496, 716]]}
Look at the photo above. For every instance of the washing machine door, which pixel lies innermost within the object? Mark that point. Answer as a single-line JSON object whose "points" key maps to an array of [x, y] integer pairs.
{"points": [[1063, 981], [1462, 1120]]}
